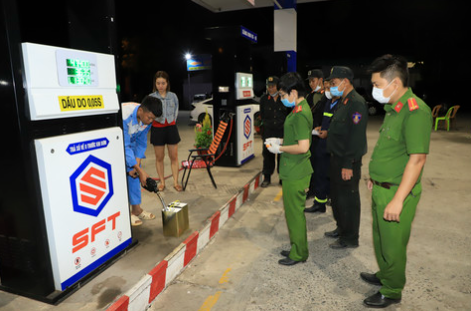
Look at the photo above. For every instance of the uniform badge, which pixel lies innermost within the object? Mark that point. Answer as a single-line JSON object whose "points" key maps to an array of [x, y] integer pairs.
{"points": [[346, 101], [398, 107], [299, 108], [412, 104], [356, 117]]}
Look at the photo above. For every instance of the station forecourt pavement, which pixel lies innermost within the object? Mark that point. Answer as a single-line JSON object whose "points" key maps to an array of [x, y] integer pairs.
{"points": [[439, 269]]}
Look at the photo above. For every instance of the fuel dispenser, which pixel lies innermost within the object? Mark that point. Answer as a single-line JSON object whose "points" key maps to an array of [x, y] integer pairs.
{"points": [[64, 213], [233, 91]]}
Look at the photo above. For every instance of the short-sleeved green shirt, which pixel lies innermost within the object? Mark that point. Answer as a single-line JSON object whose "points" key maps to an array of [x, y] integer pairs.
{"points": [[406, 130], [298, 126]]}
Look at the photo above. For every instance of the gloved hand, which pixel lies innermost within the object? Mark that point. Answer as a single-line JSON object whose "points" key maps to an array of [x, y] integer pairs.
{"points": [[275, 140], [273, 147]]}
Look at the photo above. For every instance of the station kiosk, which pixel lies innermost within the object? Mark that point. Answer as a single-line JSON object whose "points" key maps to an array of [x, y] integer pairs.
{"points": [[64, 213], [233, 94]]}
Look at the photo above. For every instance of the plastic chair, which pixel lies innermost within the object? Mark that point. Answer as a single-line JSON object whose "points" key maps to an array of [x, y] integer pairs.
{"points": [[435, 111], [448, 118], [204, 157]]}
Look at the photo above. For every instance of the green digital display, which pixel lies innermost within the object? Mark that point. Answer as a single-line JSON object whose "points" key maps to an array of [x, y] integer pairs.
{"points": [[78, 72]]}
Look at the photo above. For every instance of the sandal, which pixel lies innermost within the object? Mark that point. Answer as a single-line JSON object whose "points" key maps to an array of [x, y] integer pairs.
{"points": [[135, 221], [146, 215], [178, 187], [161, 187]]}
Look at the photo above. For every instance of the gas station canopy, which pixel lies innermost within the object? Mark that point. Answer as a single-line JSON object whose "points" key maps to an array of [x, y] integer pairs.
{"points": [[217, 6]]}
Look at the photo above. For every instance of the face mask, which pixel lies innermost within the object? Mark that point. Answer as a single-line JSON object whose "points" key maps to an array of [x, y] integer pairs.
{"points": [[286, 103], [334, 90], [317, 88], [274, 94], [328, 95], [378, 95]]}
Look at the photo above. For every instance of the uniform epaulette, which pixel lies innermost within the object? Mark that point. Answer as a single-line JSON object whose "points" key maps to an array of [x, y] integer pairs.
{"points": [[412, 104]]}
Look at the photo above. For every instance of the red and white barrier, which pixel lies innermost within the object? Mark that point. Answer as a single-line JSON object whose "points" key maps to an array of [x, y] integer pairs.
{"points": [[141, 295]]}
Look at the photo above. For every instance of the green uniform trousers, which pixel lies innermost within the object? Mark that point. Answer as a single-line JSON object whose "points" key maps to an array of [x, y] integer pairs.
{"points": [[294, 200], [390, 239]]}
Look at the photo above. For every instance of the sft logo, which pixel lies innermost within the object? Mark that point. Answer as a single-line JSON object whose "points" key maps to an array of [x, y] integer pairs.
{"points": [[247, 126], [91, 186]]}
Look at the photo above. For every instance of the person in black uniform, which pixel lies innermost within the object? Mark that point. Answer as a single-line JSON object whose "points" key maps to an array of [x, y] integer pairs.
{"points": [[346, 143], [316, 100], [273, 114], [322, 157]]}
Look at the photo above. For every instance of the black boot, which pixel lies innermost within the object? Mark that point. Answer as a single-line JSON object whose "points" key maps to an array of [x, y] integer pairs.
{"points": [[266, 181], [316, 208]]}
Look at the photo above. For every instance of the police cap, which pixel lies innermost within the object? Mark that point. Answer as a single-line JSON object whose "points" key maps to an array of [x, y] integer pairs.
{"points": [[341, 72], [315, 73], [273, 80]]}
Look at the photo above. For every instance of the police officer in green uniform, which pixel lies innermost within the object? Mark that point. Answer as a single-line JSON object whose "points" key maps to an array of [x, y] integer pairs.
{"points": [[346, 143], [395, 170], [295, 168]]}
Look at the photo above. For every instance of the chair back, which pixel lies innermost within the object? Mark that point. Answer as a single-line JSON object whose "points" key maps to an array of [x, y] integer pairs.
{"points": [[454, 111], [435, 110], [448, 113], [217, 137]]}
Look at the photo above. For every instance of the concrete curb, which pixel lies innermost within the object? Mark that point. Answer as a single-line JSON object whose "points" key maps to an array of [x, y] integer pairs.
{"points": [[141, 295]]}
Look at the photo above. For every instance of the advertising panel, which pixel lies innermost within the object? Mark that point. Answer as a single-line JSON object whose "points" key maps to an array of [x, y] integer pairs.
{"points": [[85, 201], [245, 133]]}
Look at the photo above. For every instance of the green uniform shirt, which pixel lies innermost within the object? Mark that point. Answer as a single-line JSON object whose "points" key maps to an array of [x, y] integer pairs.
{"points": [[298, 126], [406, 130], [347, 131]]}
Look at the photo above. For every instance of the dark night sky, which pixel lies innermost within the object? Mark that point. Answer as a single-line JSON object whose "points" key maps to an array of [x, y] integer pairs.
{"points": [[329, 33]]}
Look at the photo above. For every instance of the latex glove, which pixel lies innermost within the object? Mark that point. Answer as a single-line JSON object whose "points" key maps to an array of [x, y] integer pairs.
{"points": [[273, 148]]}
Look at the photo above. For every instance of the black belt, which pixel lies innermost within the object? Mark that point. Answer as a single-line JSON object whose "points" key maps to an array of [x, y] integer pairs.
{"points": [[385, 185]]}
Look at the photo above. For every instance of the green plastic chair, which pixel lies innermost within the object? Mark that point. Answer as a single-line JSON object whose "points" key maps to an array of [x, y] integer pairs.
{"points": [[450, 115]]}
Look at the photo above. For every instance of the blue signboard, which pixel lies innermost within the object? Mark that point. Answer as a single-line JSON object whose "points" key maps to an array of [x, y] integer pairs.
{"points": [[199, 62], [252, 36]]}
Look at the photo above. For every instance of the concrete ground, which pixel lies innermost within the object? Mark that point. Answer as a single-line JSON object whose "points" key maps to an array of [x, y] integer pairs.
{"points": [[238, 269]]}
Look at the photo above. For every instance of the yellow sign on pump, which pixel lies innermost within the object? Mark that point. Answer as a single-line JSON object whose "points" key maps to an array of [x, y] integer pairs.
{"points": [[81, 102]]}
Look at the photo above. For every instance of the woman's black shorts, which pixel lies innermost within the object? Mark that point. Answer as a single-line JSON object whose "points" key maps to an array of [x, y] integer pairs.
{"points": [[161, 136]]}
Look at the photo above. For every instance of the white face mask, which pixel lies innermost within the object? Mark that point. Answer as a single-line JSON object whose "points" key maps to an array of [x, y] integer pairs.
{"points": [[328, 95], [378, 95], [317, 88], [274, 94]]}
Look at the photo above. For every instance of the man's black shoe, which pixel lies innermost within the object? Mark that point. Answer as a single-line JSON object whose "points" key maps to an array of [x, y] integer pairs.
{"points": [[332, 234], [379, 301], [316, 208], [266, 181], [288, 262], [370, 278], [284, 253], [339, 245]]}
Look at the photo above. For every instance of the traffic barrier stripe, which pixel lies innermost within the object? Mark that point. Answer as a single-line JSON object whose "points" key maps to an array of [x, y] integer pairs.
{"points": [[151, 285]]}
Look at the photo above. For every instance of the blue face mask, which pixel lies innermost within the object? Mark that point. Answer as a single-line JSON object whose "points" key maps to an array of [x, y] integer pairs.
{"points": [[286, 103], [334, 90]]}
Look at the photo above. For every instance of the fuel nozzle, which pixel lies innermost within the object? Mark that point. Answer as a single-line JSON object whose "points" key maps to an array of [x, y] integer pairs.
{"points": [[151, 186]]}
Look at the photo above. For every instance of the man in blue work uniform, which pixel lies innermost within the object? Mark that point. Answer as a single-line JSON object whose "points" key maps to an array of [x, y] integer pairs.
{"points": [[137, 119], [322, 157]]}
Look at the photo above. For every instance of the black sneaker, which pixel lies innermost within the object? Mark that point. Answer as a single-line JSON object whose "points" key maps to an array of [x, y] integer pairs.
{"points": [[266, 182]]}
